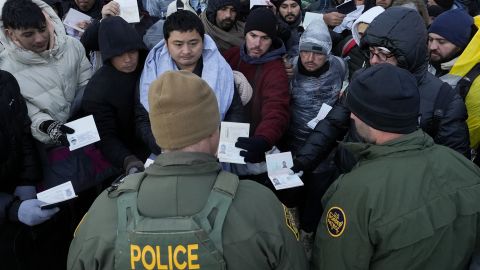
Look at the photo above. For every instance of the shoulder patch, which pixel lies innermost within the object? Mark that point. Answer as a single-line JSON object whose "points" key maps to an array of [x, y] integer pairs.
{"points": [[290, 221], [336, 221]]}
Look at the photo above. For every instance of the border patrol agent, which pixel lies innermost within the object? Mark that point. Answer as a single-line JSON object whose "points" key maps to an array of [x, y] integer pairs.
{"points": [[409, 203], [183, 212]]}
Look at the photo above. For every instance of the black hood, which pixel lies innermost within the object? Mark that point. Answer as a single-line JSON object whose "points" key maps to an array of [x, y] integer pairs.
{"points": [[116, 36], [403, 32], [214, 5]]}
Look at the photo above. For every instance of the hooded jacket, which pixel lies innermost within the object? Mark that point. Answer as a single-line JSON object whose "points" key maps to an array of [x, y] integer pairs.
{"points": [[268, 108], [223, 39], [401, 30], [109, 96], [469, 58], [19, 164], [49, 81]]}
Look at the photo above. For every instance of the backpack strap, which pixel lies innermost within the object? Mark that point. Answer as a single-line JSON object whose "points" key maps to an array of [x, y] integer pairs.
{"points": [[464, 84], [210, 218], [213, 214], [127, 206]]}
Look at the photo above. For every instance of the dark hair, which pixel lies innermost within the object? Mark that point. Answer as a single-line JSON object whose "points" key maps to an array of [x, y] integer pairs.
{"points": [[22, 14], [182, 21]]}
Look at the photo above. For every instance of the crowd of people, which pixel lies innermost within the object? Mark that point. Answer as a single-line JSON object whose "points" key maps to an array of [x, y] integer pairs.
{"points": [[390, 171]]}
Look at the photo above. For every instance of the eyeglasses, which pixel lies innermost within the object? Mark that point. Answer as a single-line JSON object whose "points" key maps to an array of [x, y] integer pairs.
{"points": [[381, 53]]}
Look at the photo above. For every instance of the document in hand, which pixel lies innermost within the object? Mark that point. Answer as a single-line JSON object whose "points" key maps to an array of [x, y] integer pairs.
{"points": [[74, 17], [310, 17], [322, 113], [55, 195], [229, 133], [129, 10], [85, 132], [278, 169]]}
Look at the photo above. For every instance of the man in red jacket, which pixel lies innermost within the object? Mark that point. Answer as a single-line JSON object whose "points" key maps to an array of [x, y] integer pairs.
{"points": [[260, 60]]}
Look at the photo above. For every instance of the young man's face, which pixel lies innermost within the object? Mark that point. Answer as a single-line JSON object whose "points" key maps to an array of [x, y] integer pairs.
{"points": [[289, 10], [32, 39], [126, 62], [440, 49], [257, 43], [312, 61], [85, 5], [225, 18], [185, 48]]}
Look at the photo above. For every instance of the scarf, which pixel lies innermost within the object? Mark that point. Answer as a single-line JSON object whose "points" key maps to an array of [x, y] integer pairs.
{"points": [[224, 40], [218, 73]]}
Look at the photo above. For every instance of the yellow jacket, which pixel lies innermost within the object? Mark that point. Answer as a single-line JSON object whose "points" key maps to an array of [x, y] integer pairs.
{"points": [[466, 61]]}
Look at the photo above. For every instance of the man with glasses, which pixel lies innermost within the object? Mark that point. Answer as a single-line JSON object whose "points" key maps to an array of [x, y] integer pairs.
{"points": [[398, 37], [378, 55]]}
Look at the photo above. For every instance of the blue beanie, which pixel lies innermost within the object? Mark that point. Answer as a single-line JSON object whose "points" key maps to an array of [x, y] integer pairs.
{"points": [[454, 25]]}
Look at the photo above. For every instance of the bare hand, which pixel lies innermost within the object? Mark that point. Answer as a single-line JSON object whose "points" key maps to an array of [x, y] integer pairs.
{"points": [[271, 6], [333, 18], [288, 67], [83, 24], [111, 9]]}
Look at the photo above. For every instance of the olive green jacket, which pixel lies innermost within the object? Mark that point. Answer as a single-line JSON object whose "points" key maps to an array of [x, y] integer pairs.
{"points": [[408, 204], [256, 233]]}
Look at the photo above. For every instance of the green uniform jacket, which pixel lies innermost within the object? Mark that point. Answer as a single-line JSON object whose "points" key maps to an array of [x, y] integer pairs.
{"points": [[408, 204], [255, 232]]}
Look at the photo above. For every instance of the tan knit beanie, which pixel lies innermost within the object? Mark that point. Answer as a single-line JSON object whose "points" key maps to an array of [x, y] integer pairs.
{"points": [[183, 109]]}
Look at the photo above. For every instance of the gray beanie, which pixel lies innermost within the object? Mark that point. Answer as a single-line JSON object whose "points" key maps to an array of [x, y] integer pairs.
{"points": [[316, 38]]}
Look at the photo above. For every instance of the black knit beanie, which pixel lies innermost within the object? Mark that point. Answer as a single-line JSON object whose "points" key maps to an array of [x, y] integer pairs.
{"points": [[386, 98], [262, 19]]}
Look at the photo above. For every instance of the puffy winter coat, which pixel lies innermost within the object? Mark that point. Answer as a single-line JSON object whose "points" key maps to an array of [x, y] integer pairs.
{"points": [[109, 96], [268, 108], [401, 30], [49, 81], [307, 95], [19, 164]]}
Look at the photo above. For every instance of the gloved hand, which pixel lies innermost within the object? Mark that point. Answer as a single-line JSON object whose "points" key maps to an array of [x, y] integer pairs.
{"points": [[297, 166], [131, 164], [25, 192], [31, 214], [56, 131], [255, 146]]}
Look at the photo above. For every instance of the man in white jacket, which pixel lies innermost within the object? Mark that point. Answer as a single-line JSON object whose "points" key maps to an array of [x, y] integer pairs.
{"points": [[50, 66]]}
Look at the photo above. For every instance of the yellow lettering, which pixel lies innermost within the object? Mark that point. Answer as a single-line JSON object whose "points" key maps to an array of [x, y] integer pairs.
{"points": [[150, 250], [178, 249], [192, 257], [134, 255]]}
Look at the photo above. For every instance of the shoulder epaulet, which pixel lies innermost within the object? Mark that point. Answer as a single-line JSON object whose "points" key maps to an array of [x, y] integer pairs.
{"points": [[122, 184]]}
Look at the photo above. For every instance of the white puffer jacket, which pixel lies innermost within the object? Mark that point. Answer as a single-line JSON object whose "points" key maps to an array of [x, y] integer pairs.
{"points": [[49, 81]]}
